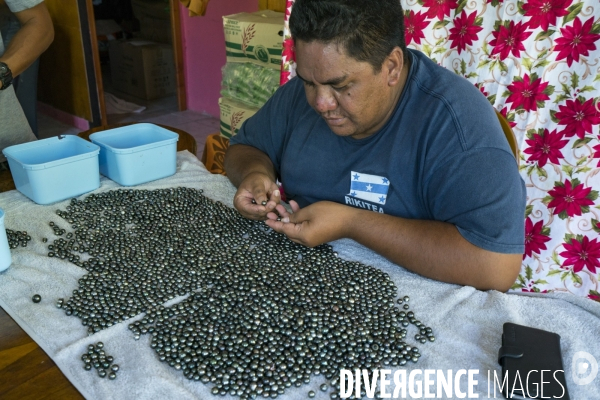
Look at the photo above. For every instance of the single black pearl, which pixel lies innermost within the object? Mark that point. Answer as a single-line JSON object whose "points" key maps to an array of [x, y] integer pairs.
{"points": [[36, 298]]}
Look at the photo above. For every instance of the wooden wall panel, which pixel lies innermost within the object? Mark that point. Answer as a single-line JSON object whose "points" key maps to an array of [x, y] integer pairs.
{"points": [[178, 54], [275, 5], [63, 81]]}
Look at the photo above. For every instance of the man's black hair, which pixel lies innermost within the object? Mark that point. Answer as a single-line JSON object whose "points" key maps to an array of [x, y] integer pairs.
{"points": [[368, 30]]}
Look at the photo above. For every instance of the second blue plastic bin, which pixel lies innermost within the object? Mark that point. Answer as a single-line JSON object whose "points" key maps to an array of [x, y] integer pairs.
{"points": [[136, 154]]}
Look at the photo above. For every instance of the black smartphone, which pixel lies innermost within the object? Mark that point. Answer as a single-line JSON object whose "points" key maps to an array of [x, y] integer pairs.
{"points": [[532, 366]]}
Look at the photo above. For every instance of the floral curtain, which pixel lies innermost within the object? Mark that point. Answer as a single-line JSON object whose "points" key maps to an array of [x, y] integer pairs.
{"points": [[538, 63]]}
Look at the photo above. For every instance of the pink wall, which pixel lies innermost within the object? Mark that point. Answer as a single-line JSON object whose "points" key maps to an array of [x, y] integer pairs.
{"points": [[63, 116], [204, 52]]}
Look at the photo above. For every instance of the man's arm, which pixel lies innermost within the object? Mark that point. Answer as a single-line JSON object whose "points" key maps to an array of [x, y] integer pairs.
{"points": [[433, 249], [32, 39], [252, 172]]}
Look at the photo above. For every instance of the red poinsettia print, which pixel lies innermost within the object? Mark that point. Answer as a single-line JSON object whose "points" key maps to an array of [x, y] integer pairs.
{"points": [[545, 147], [284, 77], [504, 112], [597, 153], [509, 39], [579, 116], [570, 198], [439, 8], [533, 291], [288, 9], [481, 88], [535, 238], [530, 288], [577, 40], [594, 295], [580, 254], [288, 50], [464, 31], [527, 92], [414, 26], [544, 13]]}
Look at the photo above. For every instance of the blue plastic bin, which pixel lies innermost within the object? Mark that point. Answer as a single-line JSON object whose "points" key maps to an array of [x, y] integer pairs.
{"points": [[54, 169], [137, 153]]}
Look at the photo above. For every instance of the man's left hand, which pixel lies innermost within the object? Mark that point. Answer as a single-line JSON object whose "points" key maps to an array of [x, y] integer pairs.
{"points": [[313, 225]]}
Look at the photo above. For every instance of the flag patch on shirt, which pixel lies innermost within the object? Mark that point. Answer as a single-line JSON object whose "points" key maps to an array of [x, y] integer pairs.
{"points": [[367, 187]]}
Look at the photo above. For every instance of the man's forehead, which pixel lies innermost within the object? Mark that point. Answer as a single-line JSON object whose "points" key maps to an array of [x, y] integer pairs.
{"points": [[325, 60]]}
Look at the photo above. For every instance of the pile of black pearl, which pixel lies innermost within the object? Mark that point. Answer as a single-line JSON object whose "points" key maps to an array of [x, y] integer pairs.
{"points": [[17, 238], [262, 314], [97, 358]]}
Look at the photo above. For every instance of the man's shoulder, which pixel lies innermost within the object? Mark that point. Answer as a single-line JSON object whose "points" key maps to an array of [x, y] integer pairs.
{"points": [[439, 81], [290, 99], [294, 85], [458, 112]]}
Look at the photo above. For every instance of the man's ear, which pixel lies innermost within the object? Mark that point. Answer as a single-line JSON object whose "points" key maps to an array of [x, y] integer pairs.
{"points": [[393, 65]]}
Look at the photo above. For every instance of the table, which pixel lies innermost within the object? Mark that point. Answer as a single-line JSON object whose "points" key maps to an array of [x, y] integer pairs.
{"points": [[26, 371], [467, 322]]}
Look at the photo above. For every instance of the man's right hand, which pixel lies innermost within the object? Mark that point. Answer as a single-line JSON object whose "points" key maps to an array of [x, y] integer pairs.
{"points": [[257, 196]]}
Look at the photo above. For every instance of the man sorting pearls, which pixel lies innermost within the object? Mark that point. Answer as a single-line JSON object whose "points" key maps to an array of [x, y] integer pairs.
{"points": [[375, 142]]}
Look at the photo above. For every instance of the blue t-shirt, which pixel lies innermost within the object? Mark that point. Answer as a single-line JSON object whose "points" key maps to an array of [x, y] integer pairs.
{"points": [[441, 156]]}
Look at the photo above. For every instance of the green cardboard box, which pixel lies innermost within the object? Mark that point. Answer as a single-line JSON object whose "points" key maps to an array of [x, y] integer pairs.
{"points": [[233, 115], [254, 37]]}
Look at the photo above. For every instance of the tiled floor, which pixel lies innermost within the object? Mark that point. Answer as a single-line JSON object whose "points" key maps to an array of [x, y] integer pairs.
{"points": [[162, 111]]}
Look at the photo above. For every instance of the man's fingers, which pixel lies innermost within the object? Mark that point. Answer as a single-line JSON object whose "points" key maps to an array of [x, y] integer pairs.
{"points": [[272, 216], [281, 210], [247, 203], [276, 196], [292, 231], [294, 205], [299, 216], [260, 193], [243, 203]]}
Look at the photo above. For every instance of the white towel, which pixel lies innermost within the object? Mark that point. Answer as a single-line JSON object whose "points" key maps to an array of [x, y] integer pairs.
{"points": [[467, 322]]}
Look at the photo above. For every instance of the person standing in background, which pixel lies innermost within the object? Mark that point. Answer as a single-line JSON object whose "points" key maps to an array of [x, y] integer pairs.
{"points": [[33, 37]]}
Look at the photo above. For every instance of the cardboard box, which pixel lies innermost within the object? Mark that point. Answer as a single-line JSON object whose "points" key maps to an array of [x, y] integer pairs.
{"points": [[254, 37], [233, 115], [155, 20], [151, 8], [142, 68], [155, 30]]}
